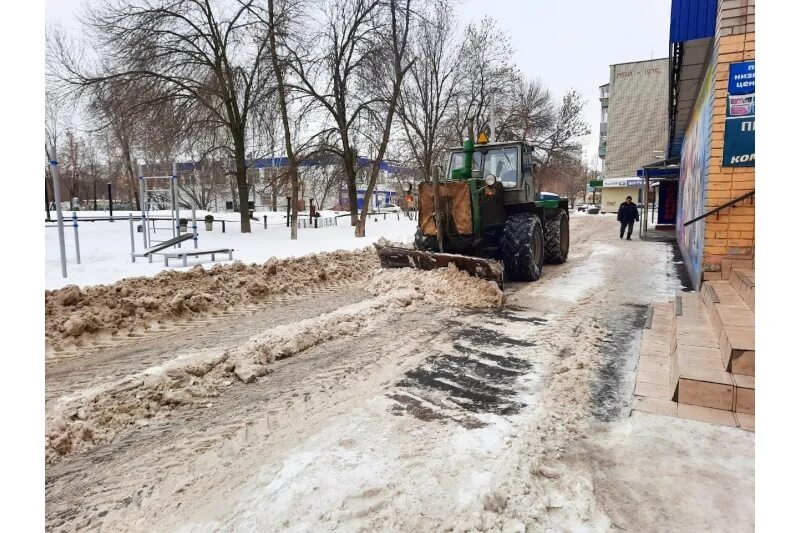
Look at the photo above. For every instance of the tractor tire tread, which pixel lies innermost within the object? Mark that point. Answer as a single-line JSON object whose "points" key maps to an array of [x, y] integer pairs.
{"points": [[517, 246], [554, 251]]}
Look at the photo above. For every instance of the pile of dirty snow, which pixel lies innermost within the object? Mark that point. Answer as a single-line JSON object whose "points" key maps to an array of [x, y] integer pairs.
{"points": [[72, 312], [449, 286], [84, 420]]}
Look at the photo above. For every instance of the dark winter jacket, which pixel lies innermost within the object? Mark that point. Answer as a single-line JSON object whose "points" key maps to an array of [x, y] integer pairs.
{"points": [[627, 213]]}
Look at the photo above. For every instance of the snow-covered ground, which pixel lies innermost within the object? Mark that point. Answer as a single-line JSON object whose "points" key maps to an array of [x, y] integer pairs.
{"points": [[105, 247]]}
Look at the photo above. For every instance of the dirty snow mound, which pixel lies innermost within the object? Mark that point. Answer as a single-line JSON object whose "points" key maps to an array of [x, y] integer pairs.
{"points": [[72, 312], [84, 420], [449, 286]]}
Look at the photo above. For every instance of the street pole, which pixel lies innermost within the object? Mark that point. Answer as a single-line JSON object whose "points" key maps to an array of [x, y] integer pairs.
{"points": [[46, 201], [110, 204], [59, 216], [491, 121]]}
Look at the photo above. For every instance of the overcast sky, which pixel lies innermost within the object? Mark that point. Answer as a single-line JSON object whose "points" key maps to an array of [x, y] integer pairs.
{"points": [[566, 43]]}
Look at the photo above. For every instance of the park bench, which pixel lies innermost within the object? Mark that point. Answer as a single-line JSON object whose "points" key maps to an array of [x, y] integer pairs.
{"points": [[196, 253]]}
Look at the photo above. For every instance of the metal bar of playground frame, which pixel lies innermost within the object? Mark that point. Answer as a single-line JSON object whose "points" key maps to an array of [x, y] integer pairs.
{"points": [[117, 218], [59, 216]]}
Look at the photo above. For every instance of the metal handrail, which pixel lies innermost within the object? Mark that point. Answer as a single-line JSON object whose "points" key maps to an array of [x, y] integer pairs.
{"points": [[720, 208]]}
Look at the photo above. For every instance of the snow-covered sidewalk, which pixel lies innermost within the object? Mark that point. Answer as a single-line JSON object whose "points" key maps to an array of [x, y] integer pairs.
{"points": [[105, 246]]}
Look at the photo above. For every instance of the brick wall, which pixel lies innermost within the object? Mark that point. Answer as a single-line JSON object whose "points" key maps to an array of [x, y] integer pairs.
{"points": [[732, 235]]}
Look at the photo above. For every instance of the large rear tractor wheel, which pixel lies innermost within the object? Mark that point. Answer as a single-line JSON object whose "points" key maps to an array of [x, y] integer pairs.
{"points": [[425, 243], [556, 239], [523, 247]]}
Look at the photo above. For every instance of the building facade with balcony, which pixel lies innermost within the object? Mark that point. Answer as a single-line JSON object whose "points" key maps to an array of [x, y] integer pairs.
{"points": [[603, 146], [637, 116], [633, 124]]}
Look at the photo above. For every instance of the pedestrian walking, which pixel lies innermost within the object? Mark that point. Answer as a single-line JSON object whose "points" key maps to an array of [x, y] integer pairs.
{"points": [[627, 214]]}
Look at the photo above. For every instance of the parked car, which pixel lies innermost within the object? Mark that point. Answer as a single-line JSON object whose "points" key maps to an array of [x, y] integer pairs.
{"points": [[388, 208], [582, 207], [593, 209]]}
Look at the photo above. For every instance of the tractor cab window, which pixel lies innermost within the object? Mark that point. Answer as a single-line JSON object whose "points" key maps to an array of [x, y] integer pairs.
{"points": [[503, 163], [457, 161]]}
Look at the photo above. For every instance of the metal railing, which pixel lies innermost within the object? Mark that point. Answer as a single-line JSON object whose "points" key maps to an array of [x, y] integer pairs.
{"points": [[112, 219], [716, 210]]}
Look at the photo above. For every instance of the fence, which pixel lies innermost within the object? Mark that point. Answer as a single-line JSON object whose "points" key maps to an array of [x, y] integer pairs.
{"points": [[305, 223]]}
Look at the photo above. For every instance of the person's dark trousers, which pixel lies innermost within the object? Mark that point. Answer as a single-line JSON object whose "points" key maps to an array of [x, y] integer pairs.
{"points": [[622, 226]]}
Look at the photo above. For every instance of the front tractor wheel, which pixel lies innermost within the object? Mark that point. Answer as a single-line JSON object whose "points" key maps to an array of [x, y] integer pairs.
{"points": [[424, 243], [523, 247], [556, 239]]}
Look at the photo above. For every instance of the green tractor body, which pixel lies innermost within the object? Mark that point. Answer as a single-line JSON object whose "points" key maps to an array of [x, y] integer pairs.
{"points": [[488, 206]]}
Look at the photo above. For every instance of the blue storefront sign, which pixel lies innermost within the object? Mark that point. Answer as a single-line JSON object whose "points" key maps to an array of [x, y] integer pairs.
{"points": [[742, 78], [740, 117]]}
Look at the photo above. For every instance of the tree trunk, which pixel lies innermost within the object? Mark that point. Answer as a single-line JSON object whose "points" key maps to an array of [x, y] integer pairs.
{"points": [[126, 154], [352, 191], [282, 104], [234, 200], [295, 187], [241, 185]]}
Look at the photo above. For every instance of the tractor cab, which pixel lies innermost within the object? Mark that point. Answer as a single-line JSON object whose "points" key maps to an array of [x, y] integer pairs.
{"points": [[509, 164]]}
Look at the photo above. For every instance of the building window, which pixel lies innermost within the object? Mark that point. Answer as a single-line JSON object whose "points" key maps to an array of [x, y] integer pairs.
{"points": [[604, 114]]}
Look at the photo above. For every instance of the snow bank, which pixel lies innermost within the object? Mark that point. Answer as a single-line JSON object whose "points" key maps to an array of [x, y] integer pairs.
{"points": [[72, 313], [105, 246]]}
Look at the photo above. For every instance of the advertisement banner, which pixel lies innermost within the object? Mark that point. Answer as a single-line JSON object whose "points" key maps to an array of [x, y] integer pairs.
{"points": [[740, 116]]}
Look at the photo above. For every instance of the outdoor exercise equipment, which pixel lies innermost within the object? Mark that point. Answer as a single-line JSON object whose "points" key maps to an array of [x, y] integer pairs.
{"points": [[77, 243], [173, 196], [159, 246], [162, 246], [59, 217]]}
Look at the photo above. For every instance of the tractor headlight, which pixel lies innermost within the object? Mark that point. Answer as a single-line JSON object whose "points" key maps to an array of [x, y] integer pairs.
{"points": [[407, 187], [490, 180]]}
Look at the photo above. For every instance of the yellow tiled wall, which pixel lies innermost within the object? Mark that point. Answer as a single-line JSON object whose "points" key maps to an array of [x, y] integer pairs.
{"points": [[732, 235]]}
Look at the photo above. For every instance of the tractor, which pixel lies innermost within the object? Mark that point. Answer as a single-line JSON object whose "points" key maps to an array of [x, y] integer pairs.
{"points": [[487, 208]]}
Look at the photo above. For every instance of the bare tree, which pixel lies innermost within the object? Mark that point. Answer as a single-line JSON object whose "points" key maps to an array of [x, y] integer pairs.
{"points": [[565, 175], [529, 116], [201, 54], [112, 106], [279, 67], [72, 163], [430, 88], [568, 127], [331, 75], [487, 69], [395, 55]]}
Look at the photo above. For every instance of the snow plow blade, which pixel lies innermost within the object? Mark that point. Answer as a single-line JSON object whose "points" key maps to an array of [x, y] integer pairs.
{"points": [[397, 257]]}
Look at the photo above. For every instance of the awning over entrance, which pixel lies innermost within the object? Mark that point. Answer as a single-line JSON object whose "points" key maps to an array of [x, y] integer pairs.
{"points": [[661, 170], [692, 26], [663, 174]]}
